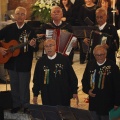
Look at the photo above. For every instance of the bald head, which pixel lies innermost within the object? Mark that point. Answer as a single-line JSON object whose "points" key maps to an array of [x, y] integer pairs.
{"points": [[50, 47], [56, 7], [49, 41], [101, 48]]}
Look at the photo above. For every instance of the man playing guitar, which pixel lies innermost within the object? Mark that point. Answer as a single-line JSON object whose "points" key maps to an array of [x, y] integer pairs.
{"points": [[19, 67]]}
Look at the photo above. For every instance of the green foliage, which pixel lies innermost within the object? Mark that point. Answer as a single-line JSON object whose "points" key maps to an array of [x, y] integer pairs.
{"points": [[41, 10]]}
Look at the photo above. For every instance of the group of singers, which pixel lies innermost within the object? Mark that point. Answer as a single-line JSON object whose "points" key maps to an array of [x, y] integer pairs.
{"points": [[54, 76]]}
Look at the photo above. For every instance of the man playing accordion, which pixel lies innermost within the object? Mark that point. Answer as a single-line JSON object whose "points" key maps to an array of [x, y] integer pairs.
{"points": [[56, 24]]}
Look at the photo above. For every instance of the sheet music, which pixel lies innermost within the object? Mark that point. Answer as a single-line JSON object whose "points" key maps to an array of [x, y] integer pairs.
{"points": [[69, 48], [49, 33]]}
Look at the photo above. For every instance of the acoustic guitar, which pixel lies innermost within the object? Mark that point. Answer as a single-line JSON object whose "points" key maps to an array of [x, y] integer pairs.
{"points": [[12, 49]]}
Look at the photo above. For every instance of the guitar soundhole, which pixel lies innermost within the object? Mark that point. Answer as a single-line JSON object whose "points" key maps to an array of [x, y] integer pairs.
{"points": [[3, 56], [11, 49]]}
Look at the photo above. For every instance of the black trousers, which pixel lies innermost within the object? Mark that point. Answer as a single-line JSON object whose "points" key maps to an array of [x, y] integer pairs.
{"points": [[1, 113], [71, 55], [82, 53]]}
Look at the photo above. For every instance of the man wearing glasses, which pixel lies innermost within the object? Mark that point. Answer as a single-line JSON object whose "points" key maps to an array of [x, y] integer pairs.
{"points": [[54, 77], [105, 35], [101, 80], [19, 67]]}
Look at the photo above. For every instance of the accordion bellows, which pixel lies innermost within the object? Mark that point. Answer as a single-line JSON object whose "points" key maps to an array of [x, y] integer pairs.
{"points": [[64, 40]]}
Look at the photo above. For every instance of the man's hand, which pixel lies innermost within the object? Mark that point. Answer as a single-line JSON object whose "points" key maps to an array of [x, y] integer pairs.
{"points": [[117, 12], [32, 42], [86, 41], [115, 107], [91, 94], [63, 18], [40, 35], [35, 100], [75, 96], [74, 44], [3, 51]]}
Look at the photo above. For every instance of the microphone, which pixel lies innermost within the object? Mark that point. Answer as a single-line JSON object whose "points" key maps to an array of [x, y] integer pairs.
{"points": [[101, 33]]}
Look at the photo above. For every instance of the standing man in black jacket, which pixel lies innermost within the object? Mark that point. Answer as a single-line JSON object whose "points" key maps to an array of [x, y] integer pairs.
{"points": [[54, 77], [101, 80], [19, 67]]}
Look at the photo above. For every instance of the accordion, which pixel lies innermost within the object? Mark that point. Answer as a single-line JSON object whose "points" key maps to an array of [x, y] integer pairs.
{"points": [[97, 39], [63, 38]]}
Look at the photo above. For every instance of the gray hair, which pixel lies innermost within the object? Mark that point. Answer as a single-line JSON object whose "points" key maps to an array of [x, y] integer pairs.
{"points": [[21, 8], [56, 7], [99, 47], [102, 10], [51, 40]]}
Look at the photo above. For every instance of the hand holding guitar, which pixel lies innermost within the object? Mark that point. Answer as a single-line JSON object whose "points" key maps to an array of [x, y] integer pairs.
{"points": [[32, 42], [3, 51], [40, 35], [12, 49]]}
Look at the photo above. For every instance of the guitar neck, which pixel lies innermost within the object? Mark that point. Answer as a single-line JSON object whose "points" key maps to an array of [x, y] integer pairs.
{"points": [[18, 46], [21, 45], [13, 48]]}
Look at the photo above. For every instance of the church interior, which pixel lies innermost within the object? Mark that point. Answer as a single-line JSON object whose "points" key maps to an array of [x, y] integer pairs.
{"points": [[7, 7]]}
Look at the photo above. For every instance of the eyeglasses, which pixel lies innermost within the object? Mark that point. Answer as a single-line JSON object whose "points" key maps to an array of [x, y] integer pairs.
{"points": [[20, 14], [99, 55], [49, 46], [56, 12], [99, 17]]}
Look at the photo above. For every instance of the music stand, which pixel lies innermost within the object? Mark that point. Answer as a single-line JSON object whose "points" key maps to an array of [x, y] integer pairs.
{"points": [[83, 31]]}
